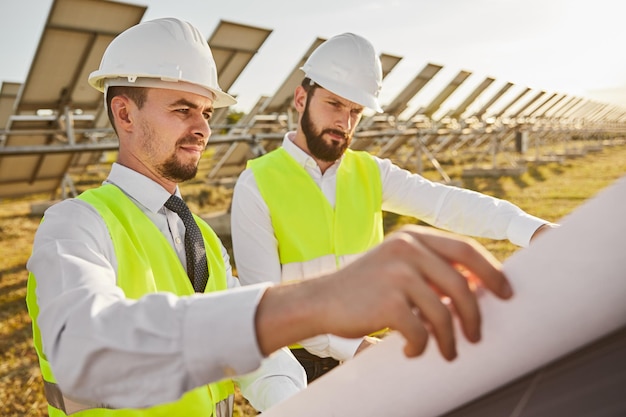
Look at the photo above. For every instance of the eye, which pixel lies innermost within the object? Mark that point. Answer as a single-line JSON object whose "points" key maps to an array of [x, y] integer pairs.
{"points": [[183, 110], [337, 105], [207, 115]]}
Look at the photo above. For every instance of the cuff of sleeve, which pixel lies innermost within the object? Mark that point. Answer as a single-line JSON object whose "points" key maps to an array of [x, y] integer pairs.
{"points": [[342, 348], [521, 229], [219, 334], [279, 377]]}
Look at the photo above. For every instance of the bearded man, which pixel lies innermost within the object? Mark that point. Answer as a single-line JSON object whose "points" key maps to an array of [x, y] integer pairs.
{"points": [[314, 205]]}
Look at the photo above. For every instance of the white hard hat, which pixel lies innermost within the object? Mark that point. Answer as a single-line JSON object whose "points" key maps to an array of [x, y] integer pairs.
{"points": [[162, 53], [347, 65]]}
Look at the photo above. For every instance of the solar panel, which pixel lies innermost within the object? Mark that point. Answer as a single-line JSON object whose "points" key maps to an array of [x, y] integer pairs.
{"points": [[615, 114], [518, 97], [230, 159], [234, 160], [456, 114], [479, 113], [386, 120], [8, 96], [233, 46], [388, 62], [399, 103], [445, 93], [587, 382], [574, 102], [535, 107], [558, 105], [548, 105], [56, 98], [281, 100], [394, 144], [597, 114], [520, 110], [225, 158]]}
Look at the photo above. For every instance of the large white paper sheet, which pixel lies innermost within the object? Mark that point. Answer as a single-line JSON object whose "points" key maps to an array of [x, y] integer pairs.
{"points": [[570, 289]]}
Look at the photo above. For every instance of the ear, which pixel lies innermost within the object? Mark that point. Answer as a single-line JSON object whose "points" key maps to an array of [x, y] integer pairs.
{"points": [[299, 99], [121, 108]]}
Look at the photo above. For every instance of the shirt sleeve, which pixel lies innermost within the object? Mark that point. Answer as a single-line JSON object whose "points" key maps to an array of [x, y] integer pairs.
{"points": [[328, 345], [102, 346], [279, 377], [454, 209]]}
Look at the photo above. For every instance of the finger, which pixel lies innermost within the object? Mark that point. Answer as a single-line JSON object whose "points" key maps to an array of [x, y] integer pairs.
{"points": [[409, 324], [446, 280], [470, 254], [425, 270]]}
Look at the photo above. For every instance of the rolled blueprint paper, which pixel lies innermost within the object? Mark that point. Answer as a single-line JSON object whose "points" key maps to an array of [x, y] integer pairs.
{"points": [[570, 290]]}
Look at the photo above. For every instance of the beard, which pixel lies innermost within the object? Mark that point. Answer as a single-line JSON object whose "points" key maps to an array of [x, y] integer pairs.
{"points": [[175, 170], [319, 148], [172, 168]]}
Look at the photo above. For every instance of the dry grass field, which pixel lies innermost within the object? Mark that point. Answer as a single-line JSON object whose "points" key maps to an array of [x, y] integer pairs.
{"points": [[549, 191]]}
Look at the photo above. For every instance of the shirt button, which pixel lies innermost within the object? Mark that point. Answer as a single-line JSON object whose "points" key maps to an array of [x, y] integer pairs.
{"points": [[177, 241]]}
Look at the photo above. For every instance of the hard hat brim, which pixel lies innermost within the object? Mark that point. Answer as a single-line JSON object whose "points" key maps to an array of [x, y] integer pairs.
{"points": [[101, 81], [340, 89]]}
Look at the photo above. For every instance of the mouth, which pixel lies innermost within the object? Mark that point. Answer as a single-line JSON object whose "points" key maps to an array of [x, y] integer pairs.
{"points": [[192, 149], [336, 135], [191, 144]]}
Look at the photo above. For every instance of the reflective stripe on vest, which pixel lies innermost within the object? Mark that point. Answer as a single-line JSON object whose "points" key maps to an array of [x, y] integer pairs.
{"points": [[153, 266], [305, 224]]}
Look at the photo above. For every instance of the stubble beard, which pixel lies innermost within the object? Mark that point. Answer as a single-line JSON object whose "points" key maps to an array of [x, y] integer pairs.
{"points": [[176, 171], [172, 168]]}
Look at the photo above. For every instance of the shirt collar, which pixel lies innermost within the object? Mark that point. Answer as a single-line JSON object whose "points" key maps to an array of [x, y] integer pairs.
{"points": [[139, 187]]}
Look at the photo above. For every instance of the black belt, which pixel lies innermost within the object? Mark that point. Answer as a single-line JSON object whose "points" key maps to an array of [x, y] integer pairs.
{"points": [[314, 365]]}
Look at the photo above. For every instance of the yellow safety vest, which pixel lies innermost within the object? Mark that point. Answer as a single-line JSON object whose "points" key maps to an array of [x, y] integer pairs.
{"points": [[146, 264], [305, 224]]}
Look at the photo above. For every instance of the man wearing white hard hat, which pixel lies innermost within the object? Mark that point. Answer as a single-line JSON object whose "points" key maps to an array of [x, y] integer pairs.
{"points": [[160, 85], [134, 308], [313, 205]]}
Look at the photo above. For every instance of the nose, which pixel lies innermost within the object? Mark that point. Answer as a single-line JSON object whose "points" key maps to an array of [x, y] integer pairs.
{"points": [[201, 127], [344, 120]]}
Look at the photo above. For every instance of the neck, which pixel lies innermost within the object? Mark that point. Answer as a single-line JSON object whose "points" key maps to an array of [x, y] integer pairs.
{"points": [[300, 141], [137, 166]]}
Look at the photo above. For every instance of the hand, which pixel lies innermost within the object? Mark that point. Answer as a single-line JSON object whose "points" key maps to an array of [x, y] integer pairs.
{"points": [[398, 284]]}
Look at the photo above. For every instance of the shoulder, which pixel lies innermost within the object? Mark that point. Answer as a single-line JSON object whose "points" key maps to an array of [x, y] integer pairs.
{"points": [[71, 219], [245, 179]]}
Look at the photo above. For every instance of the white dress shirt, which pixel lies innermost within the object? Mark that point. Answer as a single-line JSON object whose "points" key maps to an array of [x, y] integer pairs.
{"points": [[447, 207], [107, 349]]}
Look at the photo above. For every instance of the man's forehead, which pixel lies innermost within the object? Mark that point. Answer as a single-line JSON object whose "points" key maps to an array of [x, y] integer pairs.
{"points": [[176, 96], [329, 94]]}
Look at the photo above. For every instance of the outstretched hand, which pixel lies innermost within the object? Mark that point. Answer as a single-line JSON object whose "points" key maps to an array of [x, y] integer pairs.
{"points": [[414, 282]]}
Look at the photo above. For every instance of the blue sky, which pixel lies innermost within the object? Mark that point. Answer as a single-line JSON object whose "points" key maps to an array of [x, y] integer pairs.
{"points": [[571, 47]]}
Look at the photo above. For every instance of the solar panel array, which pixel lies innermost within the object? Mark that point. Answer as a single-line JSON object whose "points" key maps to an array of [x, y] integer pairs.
{"points": [[54, 123], [55, 113]]}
